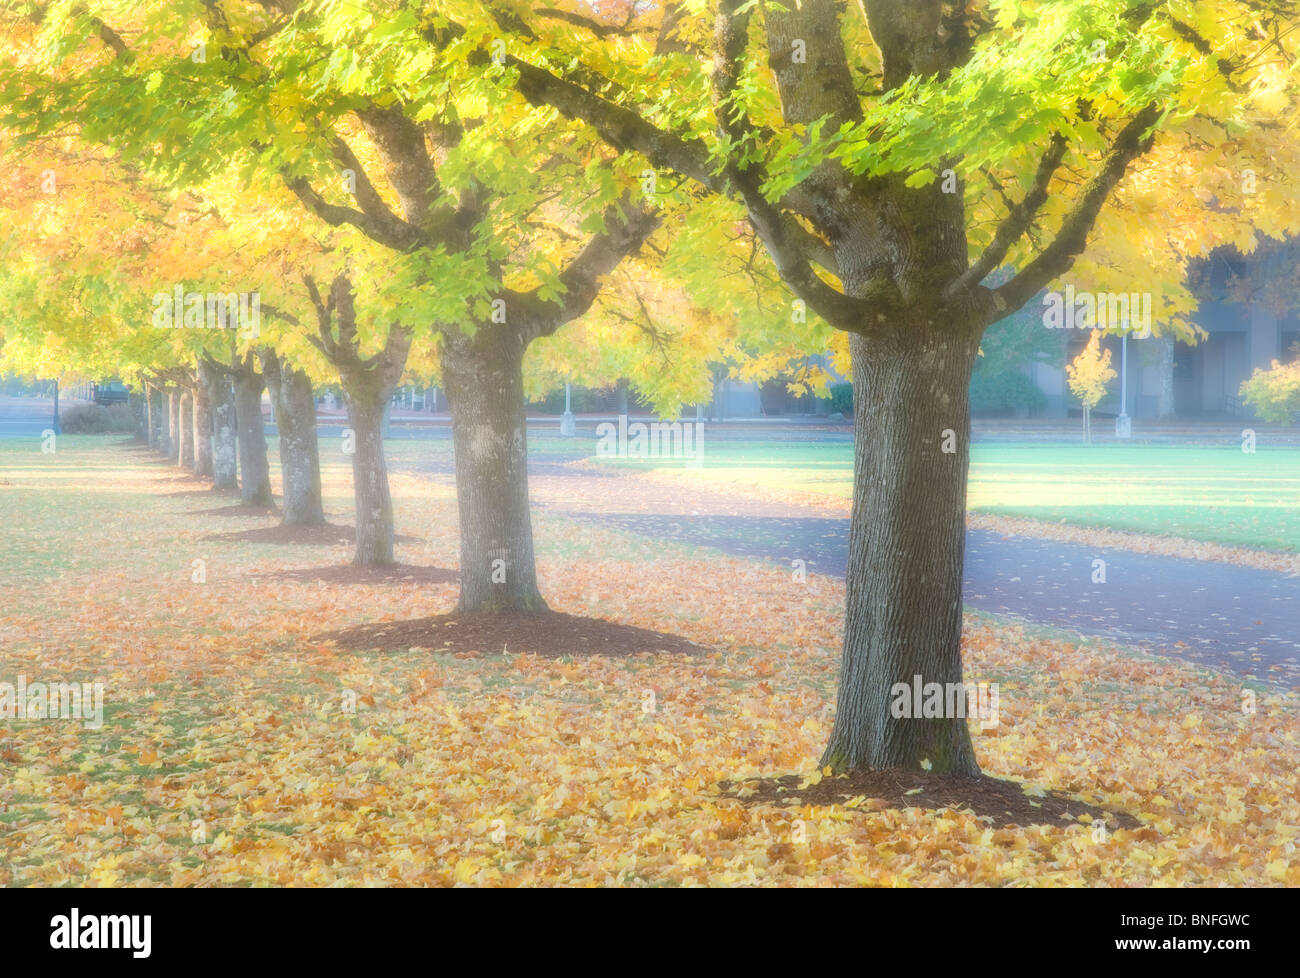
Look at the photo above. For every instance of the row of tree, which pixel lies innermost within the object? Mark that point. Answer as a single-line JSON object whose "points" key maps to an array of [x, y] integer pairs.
{"points": [[779, 177]]}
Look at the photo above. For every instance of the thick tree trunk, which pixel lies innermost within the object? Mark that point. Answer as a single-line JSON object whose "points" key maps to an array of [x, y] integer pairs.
{"points": [[174, 425], [150, 435], [295, 420], [202, 426], [254, 470], [374, 502], [483, 378], [906, 548], [187, 427], [225, 466]]}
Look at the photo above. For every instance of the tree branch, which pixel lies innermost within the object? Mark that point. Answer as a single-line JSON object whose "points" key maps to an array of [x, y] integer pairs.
{"points": [[374, 219], [1131, 142], [841, 311], [626, 229], [1016, 223]]}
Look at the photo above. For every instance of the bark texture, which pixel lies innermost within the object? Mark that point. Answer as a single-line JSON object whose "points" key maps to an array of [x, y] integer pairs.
{"points": [[483, 377], [158, 408], [254, 470], [187, 429], [225, 465], [174, 435], [295, 420], [202, 425], [149, 422], [906, 547], [374, 501]]}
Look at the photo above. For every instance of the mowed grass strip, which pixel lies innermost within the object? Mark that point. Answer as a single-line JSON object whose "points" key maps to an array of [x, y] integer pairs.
{"points": [[1214, 494]]}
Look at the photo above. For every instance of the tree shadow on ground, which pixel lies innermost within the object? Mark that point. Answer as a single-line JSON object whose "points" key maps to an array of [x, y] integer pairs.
{"points": [[312, 534], [546, 633], [1001, 802], [210, 492], [345, 574], [239, 509]]}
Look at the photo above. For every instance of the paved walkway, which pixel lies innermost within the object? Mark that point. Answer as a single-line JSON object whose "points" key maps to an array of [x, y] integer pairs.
{"points": [[1239, 619]]}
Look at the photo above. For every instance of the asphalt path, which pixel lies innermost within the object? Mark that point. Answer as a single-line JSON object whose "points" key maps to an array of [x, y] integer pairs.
{"points": [[1238, 619]]}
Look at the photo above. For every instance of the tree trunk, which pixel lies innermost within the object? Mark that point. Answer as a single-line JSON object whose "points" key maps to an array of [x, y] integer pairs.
{"points": [[1165, 407], [911, 395], [254, 470], [139, 412], [202, 425], [187, 429], [174, 425], [483, 378], [295, 420], [150, 434], [374, 502], [225, 467], [158, 406]]}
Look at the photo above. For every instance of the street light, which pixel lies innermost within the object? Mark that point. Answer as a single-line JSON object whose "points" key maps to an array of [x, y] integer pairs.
{"points": [[1123, 423], [568, 426]]}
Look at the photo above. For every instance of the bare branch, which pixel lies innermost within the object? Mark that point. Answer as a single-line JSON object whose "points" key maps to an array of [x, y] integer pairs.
{"points": [[1017, 222], [626, 229], [1132, 141]]}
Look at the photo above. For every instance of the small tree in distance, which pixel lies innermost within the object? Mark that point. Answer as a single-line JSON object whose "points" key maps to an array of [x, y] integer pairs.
{"points": [[1088, 376]]}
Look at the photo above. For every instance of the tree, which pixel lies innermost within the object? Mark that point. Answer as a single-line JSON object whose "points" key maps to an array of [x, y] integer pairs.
{"points": [[1088, 376], [859, 144], [368, 384]]}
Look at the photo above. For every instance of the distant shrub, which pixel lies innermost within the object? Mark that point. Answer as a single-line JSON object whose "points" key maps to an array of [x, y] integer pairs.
{"points": [[842, 399], [97, 419], [995, 392], [1274, 394]]}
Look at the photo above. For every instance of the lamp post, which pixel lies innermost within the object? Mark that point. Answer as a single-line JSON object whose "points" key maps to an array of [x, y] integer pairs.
{"points": [[568, 426], [1123, 423], [55, 424]]}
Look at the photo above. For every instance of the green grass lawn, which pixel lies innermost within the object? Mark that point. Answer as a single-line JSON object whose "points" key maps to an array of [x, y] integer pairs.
{"points": [[1219, 495]]}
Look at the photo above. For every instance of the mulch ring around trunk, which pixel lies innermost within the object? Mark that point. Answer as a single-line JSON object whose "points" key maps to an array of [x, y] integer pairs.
{"points": [[354, 574], [548, 633], [1002, 802]]}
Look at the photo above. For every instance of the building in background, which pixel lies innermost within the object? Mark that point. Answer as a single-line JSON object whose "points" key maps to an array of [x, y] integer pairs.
{"points": [[1250, 311]]}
